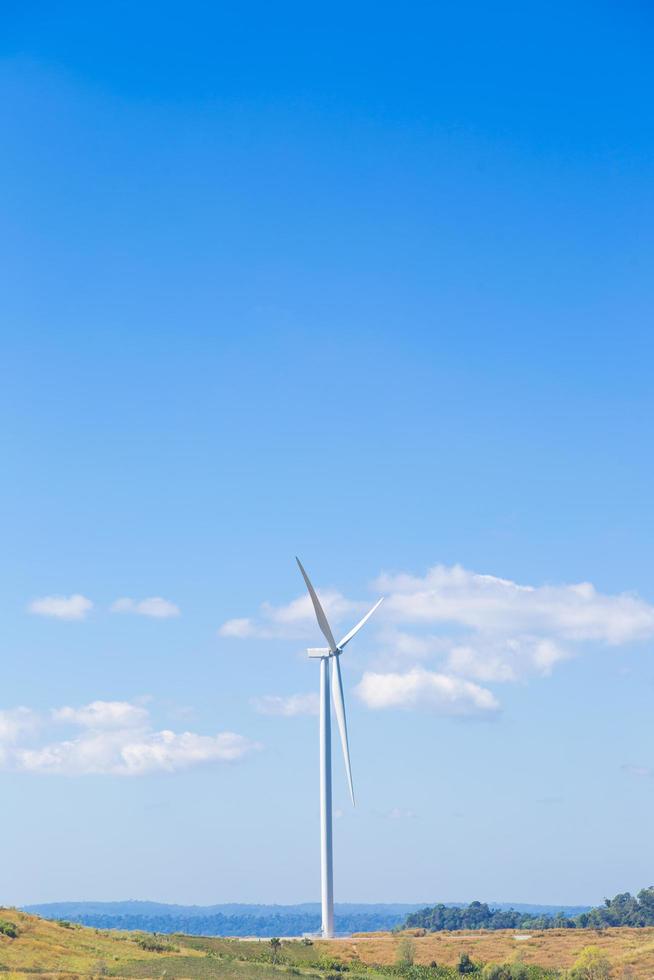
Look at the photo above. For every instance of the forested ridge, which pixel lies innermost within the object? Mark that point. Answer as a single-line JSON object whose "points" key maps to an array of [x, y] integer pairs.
{"points": [[274, 921], [239, 925], [240, 920], [622, 910]]}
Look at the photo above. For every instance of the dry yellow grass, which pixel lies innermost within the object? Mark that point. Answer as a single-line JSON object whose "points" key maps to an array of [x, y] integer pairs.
{"points": [[553, 947]]}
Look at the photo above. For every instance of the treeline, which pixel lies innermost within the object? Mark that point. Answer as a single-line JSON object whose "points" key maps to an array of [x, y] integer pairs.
{"points": [[479, 915], [218, 924], [623, 910]]}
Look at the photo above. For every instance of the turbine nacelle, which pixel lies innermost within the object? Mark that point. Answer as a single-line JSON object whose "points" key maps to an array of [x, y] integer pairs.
{"points": [[317, 653]]}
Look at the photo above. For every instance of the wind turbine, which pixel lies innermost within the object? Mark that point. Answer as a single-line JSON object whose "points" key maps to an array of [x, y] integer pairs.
{"points": [[331, 653]]}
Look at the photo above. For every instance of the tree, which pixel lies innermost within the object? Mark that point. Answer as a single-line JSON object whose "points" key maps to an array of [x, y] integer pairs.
{"points": [[591, 964], [646, 899], [275, 947]]}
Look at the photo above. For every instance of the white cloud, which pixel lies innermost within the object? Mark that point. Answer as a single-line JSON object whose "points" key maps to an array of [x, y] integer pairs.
{"points": [[238, 627], [412, 645], [300, 610], [470, 627], [494, 605], [15, 723], [116, 738], [155, 607], [61, 606], [288, 707], [490, 658], [494, 630], [130, 753], [295, 620], [423, 688]]}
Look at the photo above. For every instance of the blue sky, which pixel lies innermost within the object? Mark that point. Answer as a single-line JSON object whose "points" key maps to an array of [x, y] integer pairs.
{"points": [[372, 286]]}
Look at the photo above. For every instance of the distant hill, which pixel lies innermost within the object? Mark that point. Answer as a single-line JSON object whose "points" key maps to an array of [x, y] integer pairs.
{"points": [[237, 919]]}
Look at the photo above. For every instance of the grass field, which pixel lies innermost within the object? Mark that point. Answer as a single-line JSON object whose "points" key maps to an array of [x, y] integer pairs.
{"points": [[49, 949]]}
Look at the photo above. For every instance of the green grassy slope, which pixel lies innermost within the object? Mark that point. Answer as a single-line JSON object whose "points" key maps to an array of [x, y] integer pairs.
{"points": [[47, 948]]}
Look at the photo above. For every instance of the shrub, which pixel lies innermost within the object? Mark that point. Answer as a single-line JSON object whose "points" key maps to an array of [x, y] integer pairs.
{"points": [[591, 964], [496, 971], [8, 929], [65, 924], [332, 966], [155, 945], [511, 971], [465, 964], [519, 971], [406, 951]]}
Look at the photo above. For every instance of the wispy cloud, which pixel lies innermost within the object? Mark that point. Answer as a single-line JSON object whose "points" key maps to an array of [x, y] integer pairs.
{"points": [[288, 707], [399, 813], [641, 772], [155, 607], [61, 606], [109, 738], [103, 715]]}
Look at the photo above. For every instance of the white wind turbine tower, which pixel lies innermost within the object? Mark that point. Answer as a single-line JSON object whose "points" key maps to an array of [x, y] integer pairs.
{"points": [[333, 653]]}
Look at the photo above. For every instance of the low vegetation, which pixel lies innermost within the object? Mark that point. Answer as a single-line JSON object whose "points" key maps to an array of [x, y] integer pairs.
{"points": [[155, 944]]}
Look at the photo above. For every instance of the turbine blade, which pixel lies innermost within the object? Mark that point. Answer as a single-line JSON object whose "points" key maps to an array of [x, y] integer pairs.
{"points": [[320, 613], [362, 622], [339, 707]]}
